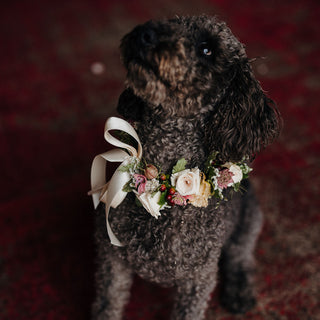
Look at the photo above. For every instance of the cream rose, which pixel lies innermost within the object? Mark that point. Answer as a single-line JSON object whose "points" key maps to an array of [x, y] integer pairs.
{"points": [[236, 170], [186, 182], [150, 203]]}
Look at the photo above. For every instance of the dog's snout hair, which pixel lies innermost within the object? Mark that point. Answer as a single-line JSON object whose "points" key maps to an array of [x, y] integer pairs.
{"points": [[144, 39]]}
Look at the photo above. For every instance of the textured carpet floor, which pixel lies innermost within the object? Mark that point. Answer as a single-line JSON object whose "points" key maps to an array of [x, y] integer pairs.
{"points": [[60, 79]]}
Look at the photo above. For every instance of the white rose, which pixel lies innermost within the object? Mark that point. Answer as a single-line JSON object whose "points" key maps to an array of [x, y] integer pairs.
{"points": [[150, 203], [236, 170], [187, 181]]}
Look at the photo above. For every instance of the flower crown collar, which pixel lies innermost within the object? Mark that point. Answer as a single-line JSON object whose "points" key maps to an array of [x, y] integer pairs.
{"points": [[156, 190]]}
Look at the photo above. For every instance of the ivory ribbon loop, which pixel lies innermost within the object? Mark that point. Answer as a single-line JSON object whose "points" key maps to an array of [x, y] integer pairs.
{"points": [[111, 193]]}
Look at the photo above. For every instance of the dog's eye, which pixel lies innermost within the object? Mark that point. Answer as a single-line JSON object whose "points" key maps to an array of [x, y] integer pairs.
{"points": [[205, 49]]}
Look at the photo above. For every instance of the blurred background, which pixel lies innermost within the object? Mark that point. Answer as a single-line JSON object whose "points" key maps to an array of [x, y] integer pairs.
{"points": [[60, 78]]}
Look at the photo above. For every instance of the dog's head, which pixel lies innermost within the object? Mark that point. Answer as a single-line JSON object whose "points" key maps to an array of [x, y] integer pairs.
{"points": [[195, 65]]}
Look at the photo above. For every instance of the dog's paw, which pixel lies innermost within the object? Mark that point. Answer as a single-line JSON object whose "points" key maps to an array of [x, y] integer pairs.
{"points": [[237, 303], [237, 294]]}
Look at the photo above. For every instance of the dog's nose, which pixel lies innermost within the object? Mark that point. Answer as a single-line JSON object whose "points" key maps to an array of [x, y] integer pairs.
{"points": [[148, 37]]}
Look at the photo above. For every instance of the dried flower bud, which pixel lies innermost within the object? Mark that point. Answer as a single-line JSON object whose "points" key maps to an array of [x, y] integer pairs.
{"points": [[151, 172]]}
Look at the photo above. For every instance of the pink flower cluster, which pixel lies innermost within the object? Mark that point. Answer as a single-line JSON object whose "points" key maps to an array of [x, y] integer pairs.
{"points": [[225, 178], [178, 199], [140, 182]]}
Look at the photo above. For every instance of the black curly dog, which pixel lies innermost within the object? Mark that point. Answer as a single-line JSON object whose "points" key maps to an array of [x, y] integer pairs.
{"points": [[191, 90]]}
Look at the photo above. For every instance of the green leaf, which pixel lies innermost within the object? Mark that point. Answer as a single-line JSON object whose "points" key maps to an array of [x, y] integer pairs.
{"points": [[123, 168], [162, 200], [127, 167], [131, 166], [211, 158], [209, 173], [138, 203], [180, 165], [236, 187], [127, 187]]}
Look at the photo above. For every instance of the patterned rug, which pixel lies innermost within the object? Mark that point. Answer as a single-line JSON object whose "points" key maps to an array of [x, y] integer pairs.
{"points": [[60, 79]]}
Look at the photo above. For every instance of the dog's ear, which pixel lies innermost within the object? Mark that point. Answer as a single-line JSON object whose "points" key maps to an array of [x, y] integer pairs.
{"points": [[245, 120], [130, 106]]}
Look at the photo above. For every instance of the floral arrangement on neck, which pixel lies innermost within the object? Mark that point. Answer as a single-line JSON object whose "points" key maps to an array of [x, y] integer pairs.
{"points": [[156, 191]]}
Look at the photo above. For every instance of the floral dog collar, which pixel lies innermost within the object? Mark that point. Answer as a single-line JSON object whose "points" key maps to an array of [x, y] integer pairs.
{"points": [[155, 190]]}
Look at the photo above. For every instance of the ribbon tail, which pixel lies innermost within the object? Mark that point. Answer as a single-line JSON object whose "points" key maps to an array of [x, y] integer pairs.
{"points": [[113, 198], [113, 239]]}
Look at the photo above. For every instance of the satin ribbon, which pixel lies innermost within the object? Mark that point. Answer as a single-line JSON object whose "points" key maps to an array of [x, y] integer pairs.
{"points": [[111, 193]]}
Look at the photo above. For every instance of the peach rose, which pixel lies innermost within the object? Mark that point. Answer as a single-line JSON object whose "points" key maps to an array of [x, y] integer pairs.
{"points": [[201, 200]]}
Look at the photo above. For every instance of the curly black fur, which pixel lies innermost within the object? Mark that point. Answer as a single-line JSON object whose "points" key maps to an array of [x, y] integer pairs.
{"points": [[191, 89]]}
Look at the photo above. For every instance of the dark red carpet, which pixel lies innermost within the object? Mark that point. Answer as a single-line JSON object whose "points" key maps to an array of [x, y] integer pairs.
{"points": [[54, 100]]}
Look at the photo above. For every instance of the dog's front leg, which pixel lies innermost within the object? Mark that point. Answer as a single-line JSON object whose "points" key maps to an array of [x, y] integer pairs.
{"points": [[113, 281], [238, 263], [192, 298]]}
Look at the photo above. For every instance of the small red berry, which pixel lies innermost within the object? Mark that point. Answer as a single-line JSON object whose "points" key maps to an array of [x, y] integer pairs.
{"points": [[172, 191], [169, 197], [163, 187], [163, 177]]}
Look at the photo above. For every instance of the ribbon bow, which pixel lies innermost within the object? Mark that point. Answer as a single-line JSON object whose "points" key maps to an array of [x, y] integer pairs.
{"points": [[111, 193]]}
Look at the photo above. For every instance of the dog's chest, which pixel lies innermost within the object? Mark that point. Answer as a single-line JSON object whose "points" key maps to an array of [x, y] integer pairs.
{"points": [[165, 143], [180, 244]]}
